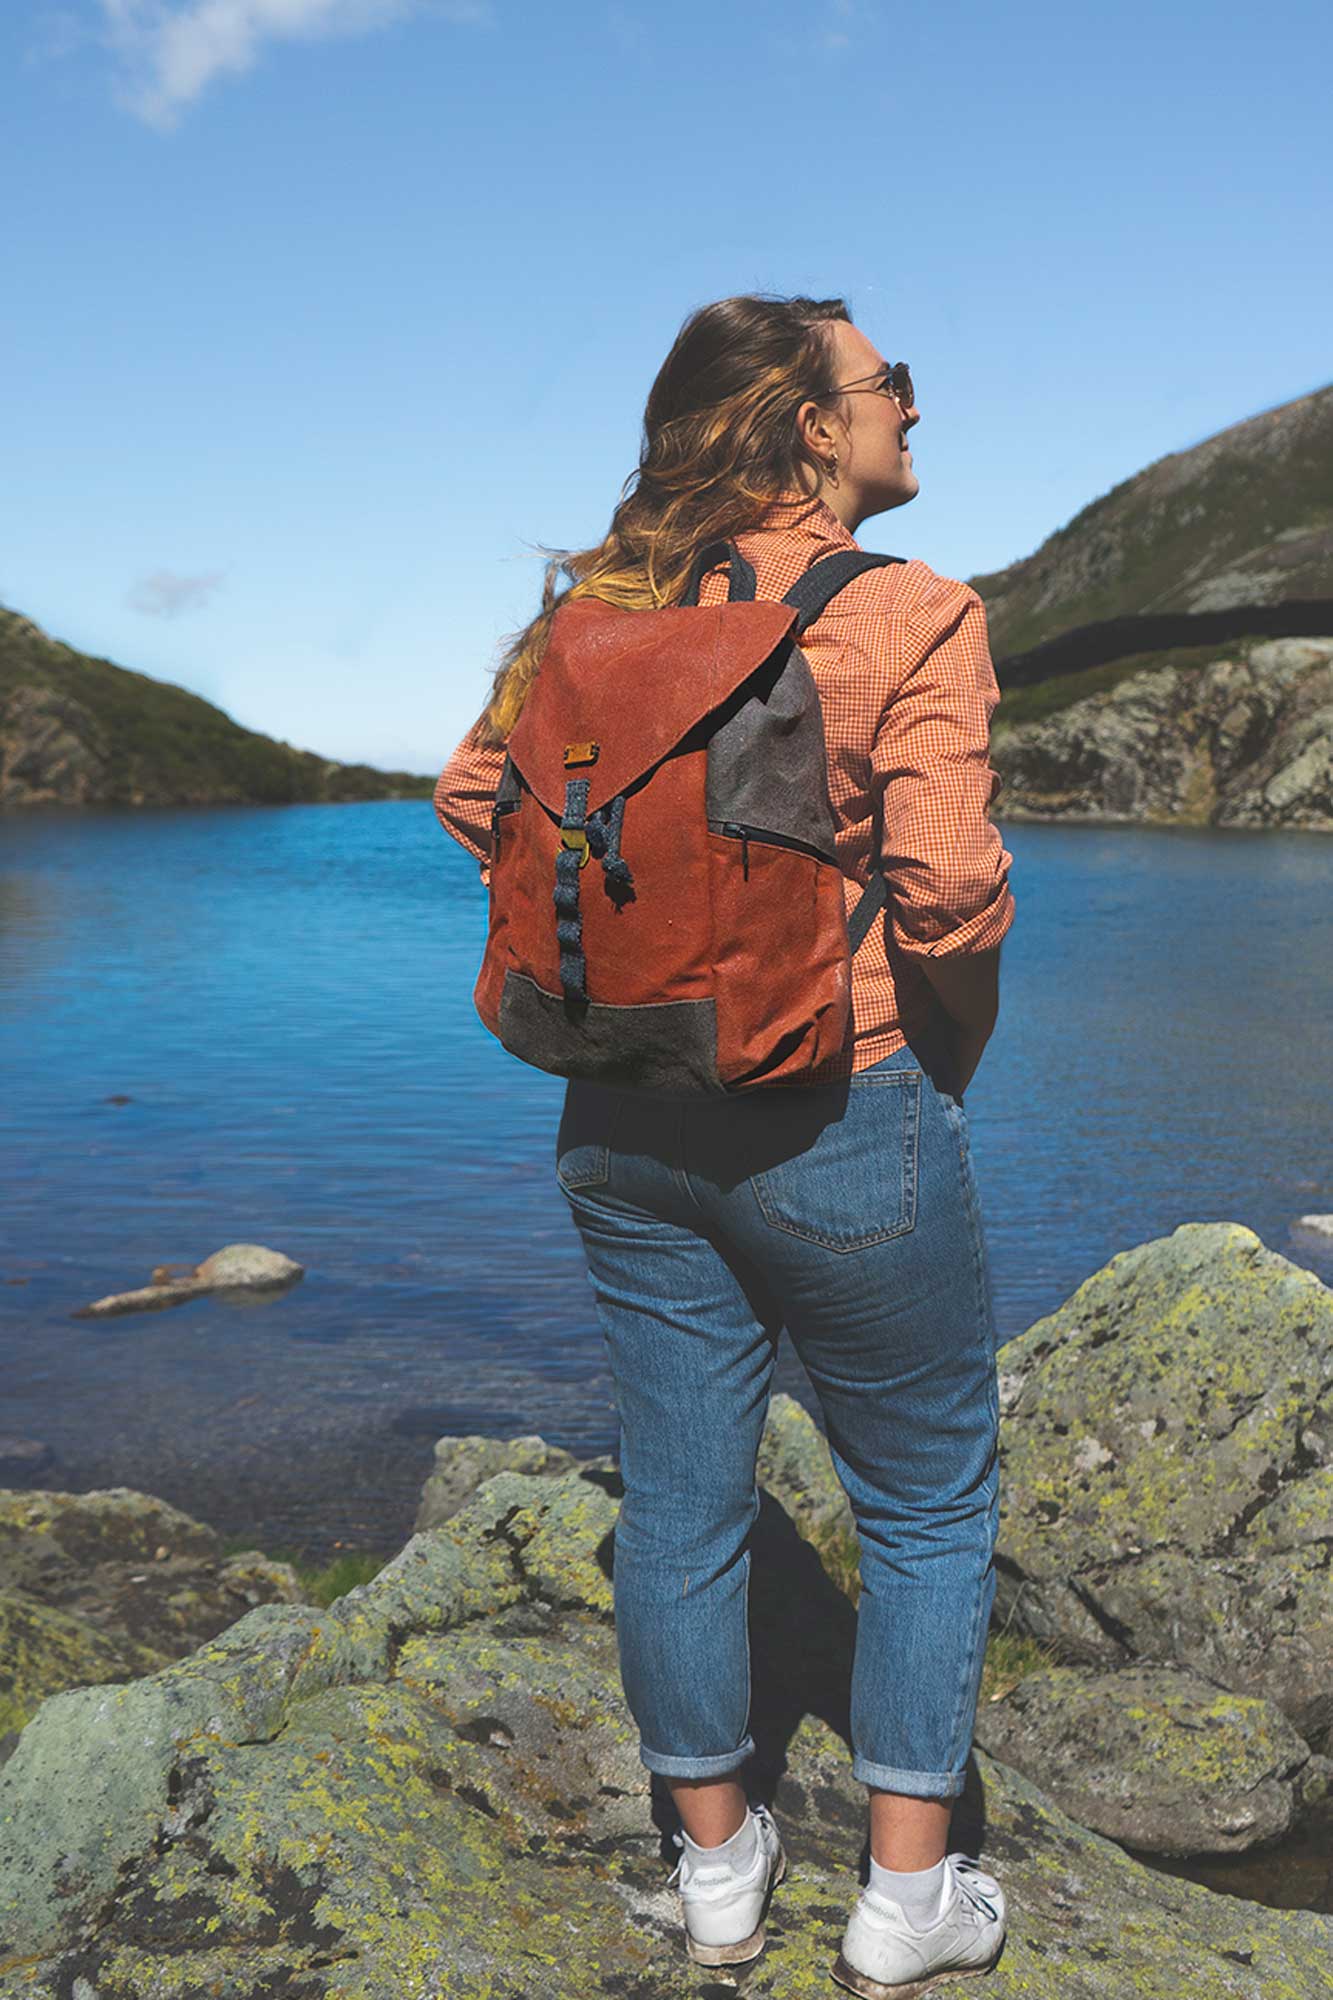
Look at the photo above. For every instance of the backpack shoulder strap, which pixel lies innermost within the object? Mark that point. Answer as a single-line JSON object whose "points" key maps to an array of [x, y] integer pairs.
{"points": [[742, 584], [815, 590], [811, 594]]}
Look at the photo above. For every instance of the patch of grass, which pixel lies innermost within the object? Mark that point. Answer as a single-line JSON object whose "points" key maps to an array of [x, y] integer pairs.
{"points": [[321, 1582], [336, 1578], [1009, 1658]]}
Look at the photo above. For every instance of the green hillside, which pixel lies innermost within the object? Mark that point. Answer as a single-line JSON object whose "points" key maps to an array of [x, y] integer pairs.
{"points": [[1245, 518], [82, 731]]}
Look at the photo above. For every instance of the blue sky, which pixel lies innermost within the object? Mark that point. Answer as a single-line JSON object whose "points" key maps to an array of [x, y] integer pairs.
{"points": [[322, 315]]}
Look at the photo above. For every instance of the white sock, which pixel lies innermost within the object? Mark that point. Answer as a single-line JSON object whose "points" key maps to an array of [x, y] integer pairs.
{"points": [[918, 1892], [739, 1851]]}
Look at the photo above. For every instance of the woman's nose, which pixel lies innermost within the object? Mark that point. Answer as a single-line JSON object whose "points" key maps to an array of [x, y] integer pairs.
{"points": [[911, 415]]}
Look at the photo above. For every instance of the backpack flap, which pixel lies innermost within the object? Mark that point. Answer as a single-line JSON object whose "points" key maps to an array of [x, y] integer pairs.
{"points": [[632, 685]]}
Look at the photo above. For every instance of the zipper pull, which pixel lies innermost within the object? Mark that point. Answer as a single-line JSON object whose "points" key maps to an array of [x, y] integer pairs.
{"points": [[745, 855]]}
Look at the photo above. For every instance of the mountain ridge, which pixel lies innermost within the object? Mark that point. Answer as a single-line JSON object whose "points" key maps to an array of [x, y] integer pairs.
{"points": [[1243, 518], [77, 730]]}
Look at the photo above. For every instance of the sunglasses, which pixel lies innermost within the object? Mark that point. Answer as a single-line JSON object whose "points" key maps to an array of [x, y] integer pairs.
{"points": [[895, 381]]}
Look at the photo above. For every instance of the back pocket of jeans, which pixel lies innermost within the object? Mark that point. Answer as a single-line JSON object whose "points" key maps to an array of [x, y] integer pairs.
{"points": [[854, 1184], [586, 1135]]}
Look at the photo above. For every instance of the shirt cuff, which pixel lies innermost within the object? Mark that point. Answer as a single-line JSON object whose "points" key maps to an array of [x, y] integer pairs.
{"points": [[980, 933]]}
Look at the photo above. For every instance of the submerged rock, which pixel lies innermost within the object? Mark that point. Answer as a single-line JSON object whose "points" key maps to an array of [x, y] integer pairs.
{"points": [[433, 1787], [1167, 1490], [24, 1461], [1156, 1757]]}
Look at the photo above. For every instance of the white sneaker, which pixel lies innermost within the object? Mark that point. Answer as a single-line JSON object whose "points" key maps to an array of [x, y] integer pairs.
{"points": [[724, 1908], [884, 1958]]}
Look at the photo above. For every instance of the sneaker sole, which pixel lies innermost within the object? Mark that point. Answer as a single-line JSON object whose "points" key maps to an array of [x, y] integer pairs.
{"points": [[747, 1948], [875, 1989]]}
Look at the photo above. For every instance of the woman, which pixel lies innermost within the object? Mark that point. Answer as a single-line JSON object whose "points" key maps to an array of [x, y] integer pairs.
{"points": [[845, 1209]]}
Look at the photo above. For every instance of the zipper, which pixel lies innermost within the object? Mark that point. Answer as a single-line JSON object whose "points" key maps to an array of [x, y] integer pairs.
{"points": [[765, 838]]}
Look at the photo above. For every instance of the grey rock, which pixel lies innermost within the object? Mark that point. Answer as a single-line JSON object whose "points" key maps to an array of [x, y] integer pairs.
{"points": [[1156, 1757], [796, 1467], [248, 1266], [1246, 740], [463, 1463], [434, 1787], [99, 1587], [1167, 1479]]}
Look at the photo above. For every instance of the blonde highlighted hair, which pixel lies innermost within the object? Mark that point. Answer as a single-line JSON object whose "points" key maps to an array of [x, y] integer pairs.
{"points": [[719, 446]]}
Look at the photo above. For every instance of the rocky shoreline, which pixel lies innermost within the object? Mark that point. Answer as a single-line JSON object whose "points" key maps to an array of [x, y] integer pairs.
{"points": [[432, 1786], [1240, 738]]}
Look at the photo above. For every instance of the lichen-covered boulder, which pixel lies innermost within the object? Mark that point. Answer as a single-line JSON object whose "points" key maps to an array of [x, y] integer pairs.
{"points": [[43, 1650], [1156, 1757], [462, 1463], [1167, 1479], [434, 1788], [106, 1585], [796, 1467]]}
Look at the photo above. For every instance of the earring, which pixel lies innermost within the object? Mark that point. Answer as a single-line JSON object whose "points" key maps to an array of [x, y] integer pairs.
{"points": [[831, 468]]}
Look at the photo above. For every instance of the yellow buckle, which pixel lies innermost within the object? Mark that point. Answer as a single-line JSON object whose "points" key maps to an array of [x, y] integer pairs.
{"points": [[575, 839]]}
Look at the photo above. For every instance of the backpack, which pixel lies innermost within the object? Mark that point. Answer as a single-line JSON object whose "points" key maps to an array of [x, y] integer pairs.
{"points": [[666, 903]]}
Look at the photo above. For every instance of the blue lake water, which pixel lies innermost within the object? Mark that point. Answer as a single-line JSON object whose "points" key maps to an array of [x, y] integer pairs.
{"points": [[284, 995]]}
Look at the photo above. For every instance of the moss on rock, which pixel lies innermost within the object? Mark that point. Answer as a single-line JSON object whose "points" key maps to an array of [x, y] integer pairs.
{"points": [[434, 1787]]}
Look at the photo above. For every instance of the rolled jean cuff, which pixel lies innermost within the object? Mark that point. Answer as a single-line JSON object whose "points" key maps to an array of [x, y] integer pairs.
{"points": [[697, 1767], [917, 1784]]}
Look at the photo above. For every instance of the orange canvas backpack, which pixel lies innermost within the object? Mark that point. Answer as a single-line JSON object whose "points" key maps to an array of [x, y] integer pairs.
{"points": [[666, 902]]}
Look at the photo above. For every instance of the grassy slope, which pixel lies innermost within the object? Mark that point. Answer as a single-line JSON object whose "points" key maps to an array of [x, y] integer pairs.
{"points": [[1224, 505], [164, 745]]}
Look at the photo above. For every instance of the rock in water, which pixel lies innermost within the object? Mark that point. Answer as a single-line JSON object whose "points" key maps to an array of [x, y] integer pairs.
{"points": [[1167, 1485], [248, 1265], [24, 1461], [237, 1267]]}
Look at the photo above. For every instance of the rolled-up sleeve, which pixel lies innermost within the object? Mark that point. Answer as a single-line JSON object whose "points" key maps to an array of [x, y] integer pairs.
{"points": [[947, 866], [465, 793]]}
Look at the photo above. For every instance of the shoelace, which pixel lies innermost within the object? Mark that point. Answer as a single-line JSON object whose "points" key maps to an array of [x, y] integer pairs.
{"points": [[975, 1884]]}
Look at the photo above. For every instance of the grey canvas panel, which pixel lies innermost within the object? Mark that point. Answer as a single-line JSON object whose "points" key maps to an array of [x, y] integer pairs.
{"points": [[509, 787], [670, 1048], [768, 760]]}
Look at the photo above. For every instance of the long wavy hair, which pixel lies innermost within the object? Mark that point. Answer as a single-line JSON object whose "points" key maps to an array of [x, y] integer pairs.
{"points": [[719, 446]]}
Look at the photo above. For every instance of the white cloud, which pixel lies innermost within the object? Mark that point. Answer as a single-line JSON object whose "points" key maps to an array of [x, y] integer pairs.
{"points": [[169, 51], [164, 594]]}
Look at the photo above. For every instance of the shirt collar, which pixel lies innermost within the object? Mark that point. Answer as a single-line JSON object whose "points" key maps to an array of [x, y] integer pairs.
{"points": [[800, 514]]}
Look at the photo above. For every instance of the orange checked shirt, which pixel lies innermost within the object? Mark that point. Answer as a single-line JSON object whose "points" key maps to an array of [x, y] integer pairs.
{"points": [[907, 688]]}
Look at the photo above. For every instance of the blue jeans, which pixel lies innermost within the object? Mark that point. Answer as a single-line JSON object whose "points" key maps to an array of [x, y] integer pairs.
{"points": [[848, 1213]]}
